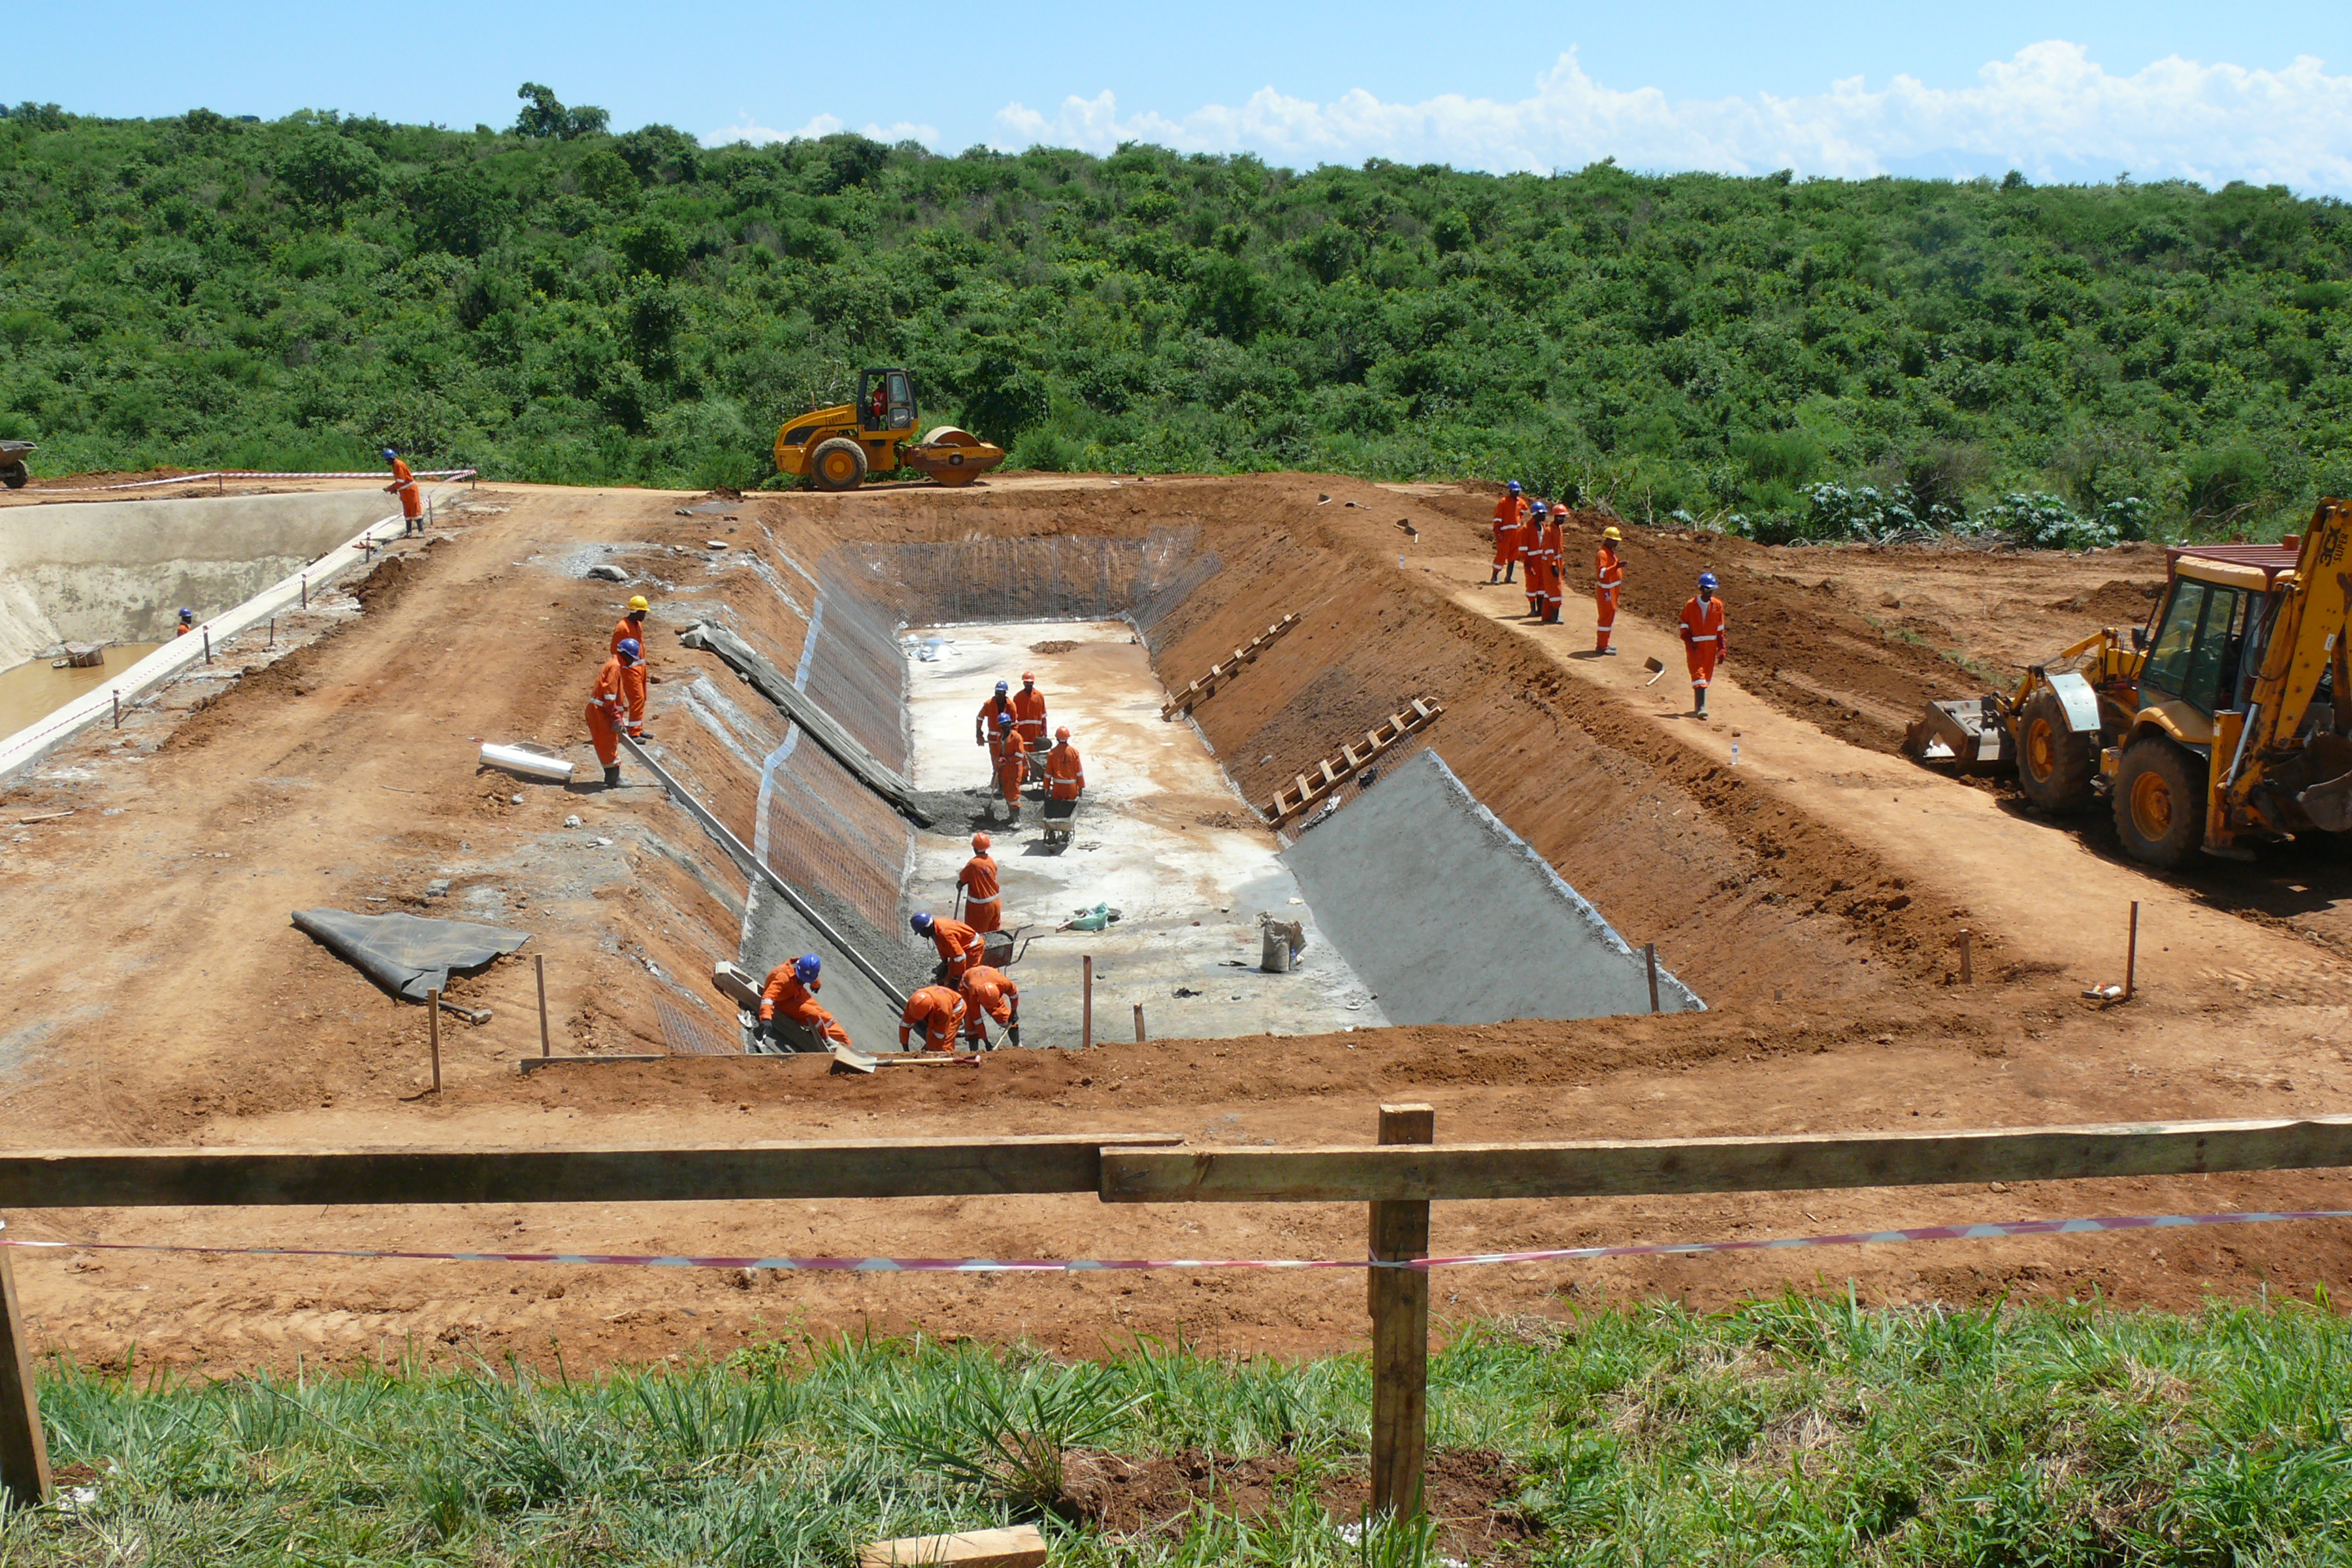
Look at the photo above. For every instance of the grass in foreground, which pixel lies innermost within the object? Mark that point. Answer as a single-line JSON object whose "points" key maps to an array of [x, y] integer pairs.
{"points": [[1791, 1431]]}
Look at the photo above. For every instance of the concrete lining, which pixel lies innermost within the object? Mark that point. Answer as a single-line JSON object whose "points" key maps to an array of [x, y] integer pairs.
{"points": [[1452, 918], [119, 571]]}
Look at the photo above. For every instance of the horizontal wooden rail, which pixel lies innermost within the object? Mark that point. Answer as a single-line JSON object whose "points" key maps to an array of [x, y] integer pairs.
{"points": [[1718, 1164], [892, 1168]]}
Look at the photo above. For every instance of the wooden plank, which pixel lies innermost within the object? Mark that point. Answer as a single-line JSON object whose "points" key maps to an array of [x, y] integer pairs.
{"points": [[1721, 1164], [881, 1168], [1022, 1546], [1330, 779], [530, 1065], [1400, 1304], [23, 1453]]}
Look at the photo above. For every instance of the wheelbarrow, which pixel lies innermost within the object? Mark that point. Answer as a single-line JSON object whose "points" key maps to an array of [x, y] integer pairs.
{"points": [[1060, 817]]}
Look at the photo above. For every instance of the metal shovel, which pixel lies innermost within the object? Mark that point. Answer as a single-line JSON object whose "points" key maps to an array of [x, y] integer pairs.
{"points": [[1655, 667]]}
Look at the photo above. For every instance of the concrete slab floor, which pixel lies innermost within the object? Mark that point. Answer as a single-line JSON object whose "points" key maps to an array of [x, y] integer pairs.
{"points": [[1161, 836]]}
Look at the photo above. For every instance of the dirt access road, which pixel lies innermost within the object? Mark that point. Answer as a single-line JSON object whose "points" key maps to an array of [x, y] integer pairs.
{"points": [[179, 1006]]}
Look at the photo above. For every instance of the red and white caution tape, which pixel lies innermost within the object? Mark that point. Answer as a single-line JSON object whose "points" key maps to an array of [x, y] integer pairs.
{"points": [[1986, 1232], [264, 474]]}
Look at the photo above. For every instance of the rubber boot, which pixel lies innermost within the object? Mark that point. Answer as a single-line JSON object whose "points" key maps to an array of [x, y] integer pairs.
{"points": [[1698, 701], [613, 777]]}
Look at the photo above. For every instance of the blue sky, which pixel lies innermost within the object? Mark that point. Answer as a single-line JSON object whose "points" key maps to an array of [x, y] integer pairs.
{"points": [[2064, 91]]}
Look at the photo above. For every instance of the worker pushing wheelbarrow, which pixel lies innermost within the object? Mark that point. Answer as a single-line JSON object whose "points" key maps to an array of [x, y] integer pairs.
{"points": [[1065, 781]]}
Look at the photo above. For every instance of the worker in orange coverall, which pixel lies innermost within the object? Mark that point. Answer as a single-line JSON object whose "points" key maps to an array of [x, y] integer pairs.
{"points": [[631, 627], [1510, 533], [1608, 577], [411, 496], [960, 946], [1065, 774], [608, 707], [1705, 646], [1552, 549], [1012, 765], [991, 994], [939, 1013], [1533, 581], [791, 995], [990, 726], [1029, 713], [983, 897]]}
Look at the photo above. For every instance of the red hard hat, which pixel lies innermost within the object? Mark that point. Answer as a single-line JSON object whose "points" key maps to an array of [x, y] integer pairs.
{"points": [[1027, 676], [1063, 733]]}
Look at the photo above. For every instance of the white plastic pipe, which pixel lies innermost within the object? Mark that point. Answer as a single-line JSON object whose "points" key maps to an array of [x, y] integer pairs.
{"points": [[538, 764]]}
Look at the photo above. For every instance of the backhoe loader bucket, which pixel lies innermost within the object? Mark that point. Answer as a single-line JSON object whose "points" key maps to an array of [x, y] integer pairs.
{"points": [[950, 455], [2329, 805], [1968, 733]]}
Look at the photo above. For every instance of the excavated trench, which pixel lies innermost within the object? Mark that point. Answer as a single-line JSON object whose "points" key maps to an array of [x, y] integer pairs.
{"points": [[1406, 890]]}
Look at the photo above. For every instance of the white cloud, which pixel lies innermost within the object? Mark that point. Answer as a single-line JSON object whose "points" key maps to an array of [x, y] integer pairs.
{"points": [[2049, 110], [822, 125]]}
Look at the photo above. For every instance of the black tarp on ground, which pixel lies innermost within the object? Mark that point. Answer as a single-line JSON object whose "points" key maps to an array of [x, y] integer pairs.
{"points": [[404, 953]]}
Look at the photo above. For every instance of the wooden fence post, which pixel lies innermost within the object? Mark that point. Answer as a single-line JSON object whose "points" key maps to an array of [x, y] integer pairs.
{"points": [[432, 1014], [24, 1455], [1400, 1304], [1650, 960], [1087, 1008], [2131, 951]]}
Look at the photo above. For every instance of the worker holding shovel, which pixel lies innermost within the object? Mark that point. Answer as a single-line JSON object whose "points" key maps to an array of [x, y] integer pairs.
{"points": [[1012, 765], [991, 994], [960, 946], [608, 707]]}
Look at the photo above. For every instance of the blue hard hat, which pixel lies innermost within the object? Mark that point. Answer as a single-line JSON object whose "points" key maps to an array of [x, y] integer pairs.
{"points": [[1003, 686], [1706, 579], [389, 454], [1539, 510], [1515, 487], [187, 614], [805, 967], [630, 650], [921, 920]]}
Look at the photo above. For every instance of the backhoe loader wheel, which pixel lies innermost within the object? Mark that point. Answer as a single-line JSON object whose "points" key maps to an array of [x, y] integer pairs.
{"points": [[15, 474], [2054, 766], [838, 464], [2159, 797]]}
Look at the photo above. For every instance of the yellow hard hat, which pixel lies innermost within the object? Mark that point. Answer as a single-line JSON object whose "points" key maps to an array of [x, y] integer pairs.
{"points": [[1611, 534], [637, 601]]}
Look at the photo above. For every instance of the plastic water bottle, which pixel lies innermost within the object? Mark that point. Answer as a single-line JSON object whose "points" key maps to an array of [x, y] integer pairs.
{"points": [[1735, 754]]}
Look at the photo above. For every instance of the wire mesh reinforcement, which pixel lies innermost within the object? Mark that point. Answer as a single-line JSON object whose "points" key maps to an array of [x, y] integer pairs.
{"points": [[686, 1034], [827, 830], [856, 671]]}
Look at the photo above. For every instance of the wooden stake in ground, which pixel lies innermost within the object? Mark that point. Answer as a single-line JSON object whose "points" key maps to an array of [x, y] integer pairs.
{"points": [[24, 1455], [1650, 961], [539, 964], [433, 1019], [2131, 950], [1400, 1303], [1139, 1024], [1086, 1011]]}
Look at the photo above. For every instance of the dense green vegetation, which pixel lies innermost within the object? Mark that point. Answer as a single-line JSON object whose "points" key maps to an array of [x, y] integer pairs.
{"points": [[1790, 1432], [554, 302]]}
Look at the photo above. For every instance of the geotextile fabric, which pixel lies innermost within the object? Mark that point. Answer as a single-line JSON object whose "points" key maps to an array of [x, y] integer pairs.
{"points": [[405, 954]]}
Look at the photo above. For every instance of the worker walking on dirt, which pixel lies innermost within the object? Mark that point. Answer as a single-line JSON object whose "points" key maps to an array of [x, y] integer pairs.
{"points": [[1608, 573], [939, 1013], [960, 946], [984, 898], [632, 628], [991, 994], [1553, 549], [412, 499], [1510, 533], [1705, 646], [790, 996], [1012, 765], [1065, 775], [608, 707], [996, 716], [1029, 713]]}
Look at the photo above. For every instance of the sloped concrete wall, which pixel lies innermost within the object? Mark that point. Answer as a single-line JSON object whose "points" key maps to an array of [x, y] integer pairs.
{"points": [[119, 571], [1452, 918]]}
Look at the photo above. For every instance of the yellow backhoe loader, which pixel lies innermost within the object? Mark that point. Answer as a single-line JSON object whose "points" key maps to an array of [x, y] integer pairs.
{"points": [[834, 449], [2225, 721]]}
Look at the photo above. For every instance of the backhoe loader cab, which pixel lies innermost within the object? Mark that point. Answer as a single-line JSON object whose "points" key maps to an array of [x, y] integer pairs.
{"points": [[2226, 722], [834, 449]]}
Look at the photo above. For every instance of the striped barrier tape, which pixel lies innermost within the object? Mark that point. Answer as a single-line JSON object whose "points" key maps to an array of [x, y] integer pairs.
{"points": [[1975, 1232], [265, 474]]}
